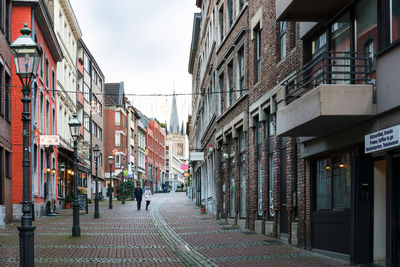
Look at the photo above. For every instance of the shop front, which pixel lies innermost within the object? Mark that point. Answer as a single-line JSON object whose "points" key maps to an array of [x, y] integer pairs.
{"points": [[384, 147]]}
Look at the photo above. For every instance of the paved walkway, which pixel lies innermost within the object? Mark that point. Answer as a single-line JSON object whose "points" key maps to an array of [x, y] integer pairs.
{"points": [[172, 233]]}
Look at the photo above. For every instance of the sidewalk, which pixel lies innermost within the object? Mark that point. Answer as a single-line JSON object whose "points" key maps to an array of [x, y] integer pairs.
{"points": [[172, 233]]}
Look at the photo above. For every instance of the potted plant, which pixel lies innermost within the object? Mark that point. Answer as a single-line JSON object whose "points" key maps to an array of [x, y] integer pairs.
{"points": [[202, 209], [68, 200]]}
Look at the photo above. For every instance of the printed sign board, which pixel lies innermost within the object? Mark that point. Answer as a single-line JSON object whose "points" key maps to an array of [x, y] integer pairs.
{"points": [[49, 140], [196, 156], [383, 139], [82, 200], [184, 167]]}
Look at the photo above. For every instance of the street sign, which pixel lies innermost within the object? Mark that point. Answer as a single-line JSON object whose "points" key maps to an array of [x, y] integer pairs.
{"points": [[383, 139], [49, 140]]}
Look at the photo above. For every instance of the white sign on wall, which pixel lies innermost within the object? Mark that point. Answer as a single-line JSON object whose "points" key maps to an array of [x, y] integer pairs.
{"points": [[49, 140], [196, 156], [383, 139]]}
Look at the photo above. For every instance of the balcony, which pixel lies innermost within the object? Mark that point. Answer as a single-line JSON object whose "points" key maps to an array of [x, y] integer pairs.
{"points": [[308, 10], [330, 93]]}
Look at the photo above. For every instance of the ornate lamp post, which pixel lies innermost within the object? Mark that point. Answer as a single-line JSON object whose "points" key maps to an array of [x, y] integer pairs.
{"points": [[96, 154], [110, 161], [26, 56], [75, 126], [123, 184]]}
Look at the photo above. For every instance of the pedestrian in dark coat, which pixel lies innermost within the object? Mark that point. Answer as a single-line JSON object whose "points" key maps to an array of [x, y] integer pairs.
{"points": [[138, 195]]}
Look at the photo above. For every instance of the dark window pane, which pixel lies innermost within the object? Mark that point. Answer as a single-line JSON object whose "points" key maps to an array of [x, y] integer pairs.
{"points": [[323, 185], [341, 182]]}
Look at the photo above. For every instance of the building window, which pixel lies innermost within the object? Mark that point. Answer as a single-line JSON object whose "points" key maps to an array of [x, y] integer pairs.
{"points": [[117, 139], [41, 111], [232, 153], [240, 5], [333, 183], [100, 134], [318, 44], [47, 117], [7, 97], [221, 23], [241, 70], [230, 83], [94, 129], [47, 78], [230, 13], [395, 20], [53, 83], [41, 72], [86, 62], [257, 54], [8, 20], [86, 92], [282, 39], [86, 122], [221, 90], [100, 109], [117, 118], [53, 122]]}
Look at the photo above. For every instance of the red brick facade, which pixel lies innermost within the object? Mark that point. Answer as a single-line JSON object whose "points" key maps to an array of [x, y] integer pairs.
{"points": [[155, 154], [43, 105]]}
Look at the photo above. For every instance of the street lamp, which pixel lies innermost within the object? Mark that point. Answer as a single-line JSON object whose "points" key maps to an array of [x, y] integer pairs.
{"points": [[27, 56], [96, 154], [123, 184], [110, 189], [74, 127]]}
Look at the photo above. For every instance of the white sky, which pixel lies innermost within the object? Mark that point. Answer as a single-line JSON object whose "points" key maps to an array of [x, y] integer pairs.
{"points": [[146, 44]]}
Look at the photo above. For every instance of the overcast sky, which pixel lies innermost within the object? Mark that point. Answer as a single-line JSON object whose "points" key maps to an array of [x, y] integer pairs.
{"points": [[146, 44]]}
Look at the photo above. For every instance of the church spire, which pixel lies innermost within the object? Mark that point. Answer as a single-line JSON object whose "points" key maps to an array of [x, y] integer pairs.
{"points": [[173, 121]]}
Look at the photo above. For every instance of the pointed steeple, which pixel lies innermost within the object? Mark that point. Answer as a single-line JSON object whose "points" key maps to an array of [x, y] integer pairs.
{"points": [[173, 121], [182, 128]]}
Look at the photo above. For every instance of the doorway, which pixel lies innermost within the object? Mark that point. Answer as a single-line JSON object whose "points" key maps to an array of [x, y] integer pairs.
{"points": [[283, 214], [396, 210]]}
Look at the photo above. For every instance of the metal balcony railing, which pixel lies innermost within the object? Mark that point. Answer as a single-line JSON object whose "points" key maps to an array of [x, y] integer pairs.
{"points": [[330, 68]]}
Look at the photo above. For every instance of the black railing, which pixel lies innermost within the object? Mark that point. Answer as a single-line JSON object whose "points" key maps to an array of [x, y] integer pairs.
{"points": [[330, 68]]}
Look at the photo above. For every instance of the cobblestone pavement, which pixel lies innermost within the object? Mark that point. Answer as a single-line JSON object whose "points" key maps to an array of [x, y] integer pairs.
{"points": [[172, 233]]}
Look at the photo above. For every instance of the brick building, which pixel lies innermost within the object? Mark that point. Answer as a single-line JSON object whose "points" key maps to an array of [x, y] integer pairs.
{"points": [[155, 154], [116, 132], [240, 56], [320, 158], [43, 109], [343, 103], [5, 111]]}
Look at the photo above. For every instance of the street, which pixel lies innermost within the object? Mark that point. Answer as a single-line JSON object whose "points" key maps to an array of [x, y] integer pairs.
{"points": [[171, 233]]}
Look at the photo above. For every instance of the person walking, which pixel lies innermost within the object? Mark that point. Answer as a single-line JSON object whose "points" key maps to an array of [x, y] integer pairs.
{"points": [[138, 195], [147, 197]]}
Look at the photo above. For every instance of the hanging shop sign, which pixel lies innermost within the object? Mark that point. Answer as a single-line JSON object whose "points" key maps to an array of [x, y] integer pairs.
{"points": [[383, 139], [196, 156], [49, 140], [184, 167]]}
